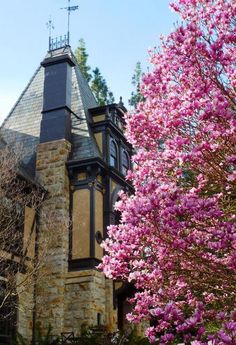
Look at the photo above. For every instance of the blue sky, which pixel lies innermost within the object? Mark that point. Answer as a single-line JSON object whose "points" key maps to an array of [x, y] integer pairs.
{"points": [[117, 35]]}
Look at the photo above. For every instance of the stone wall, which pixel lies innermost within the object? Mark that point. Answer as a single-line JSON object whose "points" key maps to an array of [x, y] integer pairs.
{"points": [[111, 313], [53, 234], [68, 301], [88, 294], [26, 304]]}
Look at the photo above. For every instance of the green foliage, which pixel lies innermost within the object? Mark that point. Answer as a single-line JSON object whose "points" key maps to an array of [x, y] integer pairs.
{"points": [[90, 336], [100, 88], [136, 96], [82, 58], [97, 83], [129, 339]]}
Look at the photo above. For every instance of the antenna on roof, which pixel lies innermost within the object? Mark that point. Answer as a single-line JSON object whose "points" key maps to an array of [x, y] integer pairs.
{"points": [[50, 27], [69, 10]]}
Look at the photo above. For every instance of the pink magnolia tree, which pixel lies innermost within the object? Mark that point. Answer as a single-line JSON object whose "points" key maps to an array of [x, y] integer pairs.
{"points": [[177, 238]]}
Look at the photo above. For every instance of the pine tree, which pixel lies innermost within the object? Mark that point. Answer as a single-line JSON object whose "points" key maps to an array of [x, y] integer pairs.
{"points": [[136, 95], [100, 88], [96, 81], [82, 57]]}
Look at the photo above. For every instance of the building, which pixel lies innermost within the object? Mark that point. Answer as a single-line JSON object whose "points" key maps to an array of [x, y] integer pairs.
{"points": [[77, 152]]}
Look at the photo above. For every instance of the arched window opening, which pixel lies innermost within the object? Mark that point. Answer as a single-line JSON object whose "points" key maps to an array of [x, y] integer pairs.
{"points": [[125, 163], [113, 154]]}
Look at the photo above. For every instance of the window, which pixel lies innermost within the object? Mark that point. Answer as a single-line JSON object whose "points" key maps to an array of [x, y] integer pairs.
{"points": [[112, 114], [125, 163], [115, 118], [113, 154]]}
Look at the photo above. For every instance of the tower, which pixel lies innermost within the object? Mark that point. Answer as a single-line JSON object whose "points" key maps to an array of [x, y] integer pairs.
{"points": [[77, 151]]}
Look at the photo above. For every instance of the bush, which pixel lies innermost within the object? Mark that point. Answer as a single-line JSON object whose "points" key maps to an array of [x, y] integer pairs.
{"points": [[90, 336]]}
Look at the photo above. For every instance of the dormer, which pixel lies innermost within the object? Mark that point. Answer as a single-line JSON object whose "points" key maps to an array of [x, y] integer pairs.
{"points": [[108, 126]]}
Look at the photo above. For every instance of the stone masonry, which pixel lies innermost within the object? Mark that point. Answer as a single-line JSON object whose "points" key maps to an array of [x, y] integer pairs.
{"points": [[54, 226], [25, 311], [88, 298]]}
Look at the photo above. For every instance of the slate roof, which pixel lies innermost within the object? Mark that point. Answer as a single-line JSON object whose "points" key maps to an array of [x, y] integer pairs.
{"points": [[22, 126], [22, 170]]}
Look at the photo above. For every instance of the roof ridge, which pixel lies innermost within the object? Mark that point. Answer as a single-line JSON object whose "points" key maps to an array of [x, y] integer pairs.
{"points": [[96, 151]]}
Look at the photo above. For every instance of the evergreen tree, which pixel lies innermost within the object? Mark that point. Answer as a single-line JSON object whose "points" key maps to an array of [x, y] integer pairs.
{"points": [[136, 95], [82, 57], [100, 89], [96, 81]]}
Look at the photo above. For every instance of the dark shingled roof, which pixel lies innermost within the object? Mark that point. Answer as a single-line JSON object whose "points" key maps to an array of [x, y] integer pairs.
{"points": [[23, 123], [21, 170]]}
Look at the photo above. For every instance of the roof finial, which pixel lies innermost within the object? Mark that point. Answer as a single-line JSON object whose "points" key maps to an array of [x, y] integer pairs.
{"points": [[69, 10], [121, 104]]}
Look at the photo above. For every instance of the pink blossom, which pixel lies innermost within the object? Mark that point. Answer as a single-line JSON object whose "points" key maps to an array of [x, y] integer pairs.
{"points": [[177, 237]]}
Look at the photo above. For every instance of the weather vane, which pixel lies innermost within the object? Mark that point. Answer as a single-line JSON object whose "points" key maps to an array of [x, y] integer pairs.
{"points": [[50, 27], [69, 10]]}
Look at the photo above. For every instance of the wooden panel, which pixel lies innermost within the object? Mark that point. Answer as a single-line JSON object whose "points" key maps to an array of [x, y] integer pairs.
{"points": [[81, 224], [29, 232], [99, 118], [98, 137], [98, 221], [81, 176], [113, 185]]}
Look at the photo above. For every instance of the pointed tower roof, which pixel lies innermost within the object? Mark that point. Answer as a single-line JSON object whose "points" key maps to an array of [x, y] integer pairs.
{"points": [[22, 126]]}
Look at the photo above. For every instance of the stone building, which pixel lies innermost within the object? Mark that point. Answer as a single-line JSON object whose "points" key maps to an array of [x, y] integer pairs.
{"points": [[77, 152]]}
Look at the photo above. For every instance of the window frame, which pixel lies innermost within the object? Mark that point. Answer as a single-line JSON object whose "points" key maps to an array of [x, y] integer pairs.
{"points": [[125, 168], [112, 157]]}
